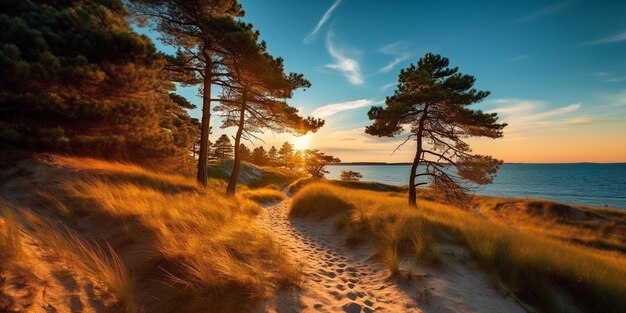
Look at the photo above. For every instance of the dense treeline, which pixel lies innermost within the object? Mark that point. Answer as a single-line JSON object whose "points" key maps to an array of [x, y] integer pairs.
{"points": [[75, 79], [311, 161]]}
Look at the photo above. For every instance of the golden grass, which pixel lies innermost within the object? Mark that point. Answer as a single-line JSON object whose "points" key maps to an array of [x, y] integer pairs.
{"points": [[532, 265], [10, 238], [195, 247], [264, 196], [598, 228], [102, 264]]}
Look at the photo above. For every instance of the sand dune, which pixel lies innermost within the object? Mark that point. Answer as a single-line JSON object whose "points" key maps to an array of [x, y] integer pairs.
{"points": [[338, 278]]}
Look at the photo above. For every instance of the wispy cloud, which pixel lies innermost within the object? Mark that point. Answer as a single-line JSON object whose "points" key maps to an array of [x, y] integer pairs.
{"points": [[520, 58], [546, 11], [321, 22], [609, 77], [580, 121], [605, 40], [349, 67], [334, 108], [398, 49], [526, 116], [387, 86]]}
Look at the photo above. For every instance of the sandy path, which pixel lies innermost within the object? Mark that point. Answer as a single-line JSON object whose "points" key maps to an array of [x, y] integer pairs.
{"points": [[338, 278]]}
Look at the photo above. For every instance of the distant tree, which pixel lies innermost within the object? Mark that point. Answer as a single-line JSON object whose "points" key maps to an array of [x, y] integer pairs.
{"points": [[285, 154], [198, 28], [259, 156], [223, 148], [350, 175], [296, 161], [433, 99], [272, 155], [245, 153], [315, 162]]}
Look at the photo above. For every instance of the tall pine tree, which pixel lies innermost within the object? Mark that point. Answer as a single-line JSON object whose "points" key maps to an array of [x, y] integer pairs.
{"points": [[433, 101], [198, 28], [254, 93]]}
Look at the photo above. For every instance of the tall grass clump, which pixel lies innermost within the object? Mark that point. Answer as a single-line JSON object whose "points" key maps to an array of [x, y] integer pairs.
{"points": [[264, 195], [10, 238], [102, 264], [535, 267], [320, 201]]}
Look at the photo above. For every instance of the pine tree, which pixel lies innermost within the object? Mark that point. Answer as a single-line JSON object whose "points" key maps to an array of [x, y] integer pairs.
{"points": [[198, 28], [272, 155], [259, 156], [75, 78], [254, 94], [285, 154], [315, 162], [223, 148], [245, 153], [433, 100], [350, 175]]}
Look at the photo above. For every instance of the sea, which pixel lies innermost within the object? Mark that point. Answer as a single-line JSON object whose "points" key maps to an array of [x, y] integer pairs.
{"points": [[594, 184]]}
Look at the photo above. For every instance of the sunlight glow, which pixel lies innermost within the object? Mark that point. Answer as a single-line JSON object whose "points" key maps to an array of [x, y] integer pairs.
{"points": [[302, 142]]}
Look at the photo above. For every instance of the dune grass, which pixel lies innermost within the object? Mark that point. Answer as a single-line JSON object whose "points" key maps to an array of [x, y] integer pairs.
{"points": [[10, 238], [162, 235], [102, 264], [602, 229], [264, 195], [363, 185], [254, 176], [533, 266]]}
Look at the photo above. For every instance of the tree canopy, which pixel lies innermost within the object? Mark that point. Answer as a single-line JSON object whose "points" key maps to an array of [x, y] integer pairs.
{"points": [[74, 78], [315, 162], [202, 31], [432, 100]]}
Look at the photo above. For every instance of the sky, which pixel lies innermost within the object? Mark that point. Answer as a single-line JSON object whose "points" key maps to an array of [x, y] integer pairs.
{"points": [[556, 71]]}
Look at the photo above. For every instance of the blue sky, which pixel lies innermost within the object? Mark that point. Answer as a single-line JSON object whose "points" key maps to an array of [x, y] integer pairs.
{"points": [[556, 69]]}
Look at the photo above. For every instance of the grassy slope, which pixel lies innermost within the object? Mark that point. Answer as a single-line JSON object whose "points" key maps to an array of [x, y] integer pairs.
{"points": [[534, 265], [145, 235], [254, 176]]}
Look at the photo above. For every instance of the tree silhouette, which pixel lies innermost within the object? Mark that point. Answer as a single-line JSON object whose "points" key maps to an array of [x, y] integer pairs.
{"points": [[315, 162], [223, 148], [285, 154], [245, 153], [350, 175], [259, 156], [432, 99], [272, 155]]}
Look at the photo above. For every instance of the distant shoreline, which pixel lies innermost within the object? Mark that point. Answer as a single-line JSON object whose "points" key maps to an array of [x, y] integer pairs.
{"points": [[506, 163]]}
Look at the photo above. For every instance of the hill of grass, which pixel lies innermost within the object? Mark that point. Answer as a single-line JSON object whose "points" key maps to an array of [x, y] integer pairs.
{"points": [[548, 272], [80, 233], [254, 176]]}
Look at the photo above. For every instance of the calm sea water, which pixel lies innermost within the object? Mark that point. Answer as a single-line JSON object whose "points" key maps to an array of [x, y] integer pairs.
{"points": [[590, 184]]}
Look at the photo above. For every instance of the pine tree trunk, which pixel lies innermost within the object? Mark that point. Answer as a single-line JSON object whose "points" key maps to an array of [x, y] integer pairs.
{"points": [[234, 176], [416, 160], [206, 119], [412, 191]]}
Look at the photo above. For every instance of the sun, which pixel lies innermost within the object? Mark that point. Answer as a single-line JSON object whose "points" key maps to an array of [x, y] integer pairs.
{"points": [[302, 142]]}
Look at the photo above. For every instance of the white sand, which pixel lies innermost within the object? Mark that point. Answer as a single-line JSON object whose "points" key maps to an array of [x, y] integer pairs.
{"points": [[342, 279]]}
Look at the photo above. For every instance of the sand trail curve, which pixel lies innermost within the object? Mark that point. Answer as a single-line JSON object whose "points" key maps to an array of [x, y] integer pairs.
{"points": [[338, 278]]}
